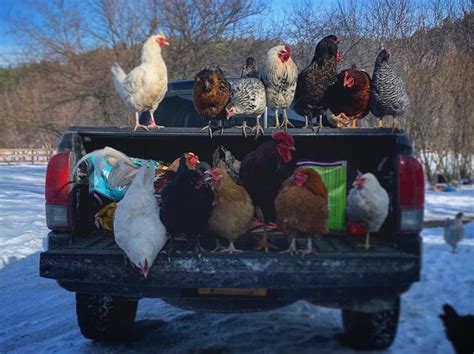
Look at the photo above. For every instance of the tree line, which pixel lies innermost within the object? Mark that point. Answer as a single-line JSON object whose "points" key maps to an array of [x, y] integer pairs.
{"points": [[65, 78]]}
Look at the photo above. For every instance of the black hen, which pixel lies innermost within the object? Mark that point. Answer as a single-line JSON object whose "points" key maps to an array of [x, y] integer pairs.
{"points": [[263, 171], [459, 329], [314, 80], [249, 70], [186, 202]]}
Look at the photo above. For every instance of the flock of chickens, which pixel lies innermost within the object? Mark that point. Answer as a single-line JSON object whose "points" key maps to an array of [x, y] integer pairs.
{"points": [[223, 200], [318, 89]]}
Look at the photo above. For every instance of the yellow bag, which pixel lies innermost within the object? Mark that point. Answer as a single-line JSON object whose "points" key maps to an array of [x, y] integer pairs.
{"points": [[105, 217]]}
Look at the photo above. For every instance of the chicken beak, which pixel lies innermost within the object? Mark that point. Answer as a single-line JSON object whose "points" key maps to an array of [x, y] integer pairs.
{"points": [[167, 41], [292, 148], [207, 85]]}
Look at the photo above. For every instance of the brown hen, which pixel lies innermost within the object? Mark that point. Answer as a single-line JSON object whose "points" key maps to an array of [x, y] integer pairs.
{"points": [[302, 207], [349, 97], [233, 210], [211, 94]]}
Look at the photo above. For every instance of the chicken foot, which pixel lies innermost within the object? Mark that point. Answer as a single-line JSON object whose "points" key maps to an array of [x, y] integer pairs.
{"points": [[286, 121], [264, 244], [198, 248], [309, 247], [367, 244], [277, 120], [137, 124], [292, 250], [308, 122], [152, 121], [258, 128], [209, 129], [320, 123], [244, 127], [231, 249]]}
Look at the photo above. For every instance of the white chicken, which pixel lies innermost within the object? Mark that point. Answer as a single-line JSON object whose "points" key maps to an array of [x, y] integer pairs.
{"points": [[454, 231], [145, 86], [367, 204], [279, 75], [138, 229]]}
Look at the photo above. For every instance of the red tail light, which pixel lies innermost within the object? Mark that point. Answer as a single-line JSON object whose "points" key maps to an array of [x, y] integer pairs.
{"points": [[411, 194], [57, 192]]}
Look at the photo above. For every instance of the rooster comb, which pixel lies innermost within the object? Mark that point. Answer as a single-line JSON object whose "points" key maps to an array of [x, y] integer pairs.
{"points": [[286, 138]]}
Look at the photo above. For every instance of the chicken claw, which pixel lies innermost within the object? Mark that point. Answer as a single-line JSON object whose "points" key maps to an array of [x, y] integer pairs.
{"points": [[367, 246], [258, 128], [292, 250], [286, 121], [209, 129], [231, 249], [309, 248], [244, 128]]}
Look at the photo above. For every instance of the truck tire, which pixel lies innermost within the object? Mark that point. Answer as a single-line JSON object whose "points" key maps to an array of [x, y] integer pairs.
{"points": [[371, 331], [104, 317]]}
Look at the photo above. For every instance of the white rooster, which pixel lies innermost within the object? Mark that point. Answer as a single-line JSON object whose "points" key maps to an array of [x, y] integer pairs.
{"points": [[279, 75], [367, 204], [145, 86], [454, 231], [138, 229]]}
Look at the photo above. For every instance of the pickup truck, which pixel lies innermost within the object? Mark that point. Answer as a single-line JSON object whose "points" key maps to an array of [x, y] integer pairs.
{"points": [[365, 285]]}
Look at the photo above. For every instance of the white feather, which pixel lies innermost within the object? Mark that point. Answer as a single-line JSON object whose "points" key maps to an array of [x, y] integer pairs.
{"points": [[138, 229]]}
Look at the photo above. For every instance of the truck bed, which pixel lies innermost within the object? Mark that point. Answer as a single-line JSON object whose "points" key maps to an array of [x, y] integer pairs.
{"points": [[339, 263]]}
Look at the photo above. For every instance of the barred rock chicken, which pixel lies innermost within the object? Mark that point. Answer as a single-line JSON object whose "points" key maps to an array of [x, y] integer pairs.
{"points": [[248, 100], [279, 73], [454, 231], [349, 97], [249, 70], [210, 96], [233, 210], [224, 158], [164, 174], [302, 207], [389, 96], [138, 229], [459, 329], [186, 203], [314, 80], [262, 172], [367, 204], [144, 87]]}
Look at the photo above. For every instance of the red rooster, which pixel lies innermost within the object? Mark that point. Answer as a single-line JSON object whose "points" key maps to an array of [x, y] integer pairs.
{"points": [[349, 97], [262, 172]]}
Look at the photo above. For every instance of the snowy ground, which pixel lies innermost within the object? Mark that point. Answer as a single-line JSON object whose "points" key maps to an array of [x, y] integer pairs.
{"points": [[36, 316]]}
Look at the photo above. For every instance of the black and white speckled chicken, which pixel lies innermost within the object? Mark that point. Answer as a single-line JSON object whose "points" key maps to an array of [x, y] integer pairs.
{"points": [[389, 96], [249, 69], [247, 99], [279, 74], [315, 79], [224, 158]]}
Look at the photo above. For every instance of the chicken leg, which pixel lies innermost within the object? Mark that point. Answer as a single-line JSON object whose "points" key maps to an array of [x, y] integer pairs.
{"points": [[209, 129], [231, 249], [264, 244], [308, 122], [244, 127], [309, 247], [380, 122], [258, 128], [292, 250], [320, 123], [277, 120], [152, 121], [286, 121], [137, 124]]}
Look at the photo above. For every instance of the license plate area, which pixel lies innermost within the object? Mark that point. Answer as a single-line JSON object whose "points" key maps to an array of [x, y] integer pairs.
{"points": [[256, 292]]}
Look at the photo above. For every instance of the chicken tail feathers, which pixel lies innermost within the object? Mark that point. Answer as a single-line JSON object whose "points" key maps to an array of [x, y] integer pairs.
{"points": [[119, 77], [123, 168]]}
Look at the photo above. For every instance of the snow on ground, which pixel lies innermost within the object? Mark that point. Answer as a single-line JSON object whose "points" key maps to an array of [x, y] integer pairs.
{"points": [[440, 205], [37, 316]]}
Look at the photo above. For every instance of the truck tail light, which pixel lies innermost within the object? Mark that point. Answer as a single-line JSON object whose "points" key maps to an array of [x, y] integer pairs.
{"points": [[411, 194], [57, 192]]}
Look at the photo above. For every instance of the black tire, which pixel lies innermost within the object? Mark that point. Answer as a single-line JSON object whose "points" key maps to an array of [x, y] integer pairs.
{"points": [[371, 331], [104, 317]]}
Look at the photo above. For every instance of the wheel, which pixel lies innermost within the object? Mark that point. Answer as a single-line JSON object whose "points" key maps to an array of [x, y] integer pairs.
{"points": [[369, 331], [104, 317]]}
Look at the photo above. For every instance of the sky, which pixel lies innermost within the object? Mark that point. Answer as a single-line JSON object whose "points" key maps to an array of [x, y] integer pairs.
{"points": [[11, 9]]}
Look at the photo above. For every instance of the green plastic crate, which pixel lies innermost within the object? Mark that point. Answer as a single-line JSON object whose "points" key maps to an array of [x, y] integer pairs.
{"points": [[334, 176]]}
